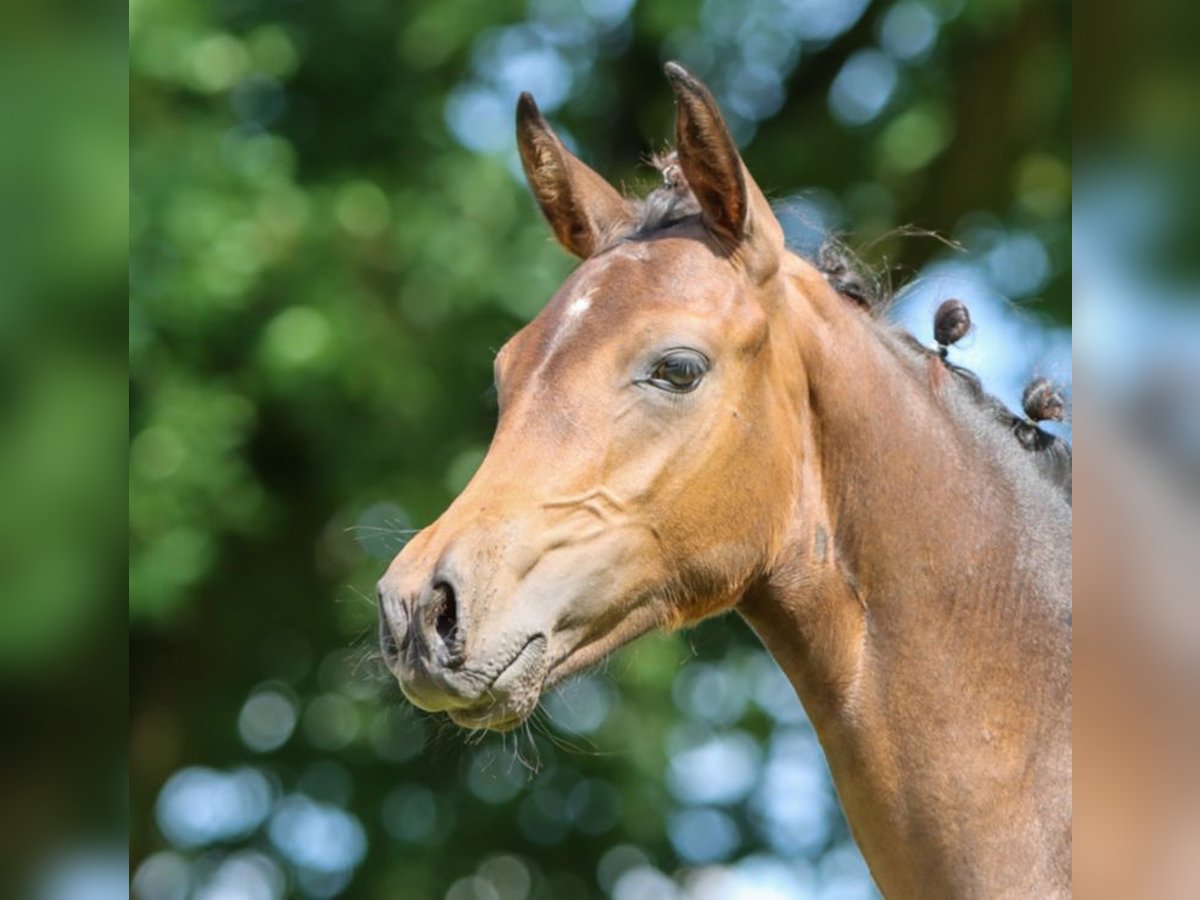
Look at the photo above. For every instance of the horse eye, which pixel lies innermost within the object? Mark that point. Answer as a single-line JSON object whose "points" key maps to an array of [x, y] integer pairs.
{"points": [[679, 371]]}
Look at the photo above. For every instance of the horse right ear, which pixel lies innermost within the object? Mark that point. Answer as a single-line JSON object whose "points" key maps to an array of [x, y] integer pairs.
{"points": [[732, 205], [579, 204]]}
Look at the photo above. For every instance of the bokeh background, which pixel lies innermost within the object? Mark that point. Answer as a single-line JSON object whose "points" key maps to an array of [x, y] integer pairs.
{"points": [[329, 239], [63, 243]]}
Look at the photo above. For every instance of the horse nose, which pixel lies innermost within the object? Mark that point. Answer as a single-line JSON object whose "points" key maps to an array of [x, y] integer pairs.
{"points": [[393, 626], [431, 637]]}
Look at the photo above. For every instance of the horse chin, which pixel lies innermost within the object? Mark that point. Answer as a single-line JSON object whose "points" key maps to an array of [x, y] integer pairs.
{"points": [[489, 718], [500, 714]]}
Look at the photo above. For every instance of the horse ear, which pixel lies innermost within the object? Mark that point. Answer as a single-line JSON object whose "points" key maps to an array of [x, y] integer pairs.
{"points": [[733, 205], [579, 204]]}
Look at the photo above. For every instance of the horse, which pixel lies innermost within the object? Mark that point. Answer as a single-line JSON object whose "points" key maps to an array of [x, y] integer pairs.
{"points": [[699, 420]]}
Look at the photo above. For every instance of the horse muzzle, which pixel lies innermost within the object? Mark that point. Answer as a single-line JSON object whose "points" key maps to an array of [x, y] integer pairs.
{"points": [[423, 642]]}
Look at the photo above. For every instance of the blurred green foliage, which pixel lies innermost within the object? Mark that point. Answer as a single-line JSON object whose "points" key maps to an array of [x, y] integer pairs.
{"points": [[328, 241], [60, 388], [63, 246]]}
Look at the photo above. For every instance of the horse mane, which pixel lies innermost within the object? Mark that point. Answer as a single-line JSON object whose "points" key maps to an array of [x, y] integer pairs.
{"points": [[673, 202]]}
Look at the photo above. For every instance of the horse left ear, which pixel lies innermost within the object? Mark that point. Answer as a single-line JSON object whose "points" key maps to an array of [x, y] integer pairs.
{"points": [[732, 204], [581, 207]]}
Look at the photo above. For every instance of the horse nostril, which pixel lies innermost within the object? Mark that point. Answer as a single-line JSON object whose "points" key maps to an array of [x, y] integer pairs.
{"points": [[446, 622]]}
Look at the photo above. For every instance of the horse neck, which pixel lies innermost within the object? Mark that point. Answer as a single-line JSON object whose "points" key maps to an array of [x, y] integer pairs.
{"points": [[917, 608]]}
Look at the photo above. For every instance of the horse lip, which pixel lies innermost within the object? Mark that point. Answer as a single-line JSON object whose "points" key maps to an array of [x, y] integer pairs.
{"points": [[453, 690], [533, 649], [431, 691], [507, 701]]}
